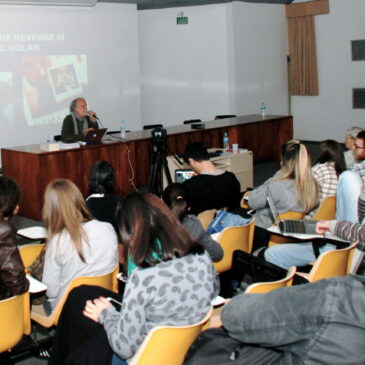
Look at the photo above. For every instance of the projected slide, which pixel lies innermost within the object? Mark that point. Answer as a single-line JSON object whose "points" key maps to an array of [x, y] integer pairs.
{"points": [[50, 55], [49, 83]]}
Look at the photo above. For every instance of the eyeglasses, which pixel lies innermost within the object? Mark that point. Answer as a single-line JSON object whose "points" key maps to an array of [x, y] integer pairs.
{"points": [[359, 147]]}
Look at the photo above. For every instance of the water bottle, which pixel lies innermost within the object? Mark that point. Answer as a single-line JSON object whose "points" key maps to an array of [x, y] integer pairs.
{"points": [[225, 141], [122, 130], [263, 110]]}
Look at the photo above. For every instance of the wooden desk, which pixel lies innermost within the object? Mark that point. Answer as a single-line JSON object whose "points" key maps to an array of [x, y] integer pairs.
{"points": [[33, 168]]}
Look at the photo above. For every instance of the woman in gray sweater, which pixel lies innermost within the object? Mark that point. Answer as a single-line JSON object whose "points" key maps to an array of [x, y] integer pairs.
{"points": [[292, 188], [173, 284]]}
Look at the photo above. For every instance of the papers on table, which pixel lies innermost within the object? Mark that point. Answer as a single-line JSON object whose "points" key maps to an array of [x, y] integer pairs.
{"points": [[34, 233], [35, 286]]}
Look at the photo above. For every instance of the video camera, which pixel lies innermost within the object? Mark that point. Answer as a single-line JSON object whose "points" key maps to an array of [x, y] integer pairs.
{"points": [[159, 137]]}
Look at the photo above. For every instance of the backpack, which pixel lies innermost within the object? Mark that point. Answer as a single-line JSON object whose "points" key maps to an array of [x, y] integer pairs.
{"points": [[215, 346]]}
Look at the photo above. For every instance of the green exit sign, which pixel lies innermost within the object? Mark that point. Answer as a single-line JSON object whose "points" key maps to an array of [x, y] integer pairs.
{"points": [[182, 20]]}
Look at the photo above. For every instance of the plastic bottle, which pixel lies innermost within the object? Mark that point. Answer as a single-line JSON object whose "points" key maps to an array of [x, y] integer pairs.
{"points": [[225, 141], [263, 110], [122, 130]]}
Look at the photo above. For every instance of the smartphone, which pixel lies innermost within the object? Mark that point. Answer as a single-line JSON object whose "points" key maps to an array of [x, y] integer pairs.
{"points": [[115, 303]]}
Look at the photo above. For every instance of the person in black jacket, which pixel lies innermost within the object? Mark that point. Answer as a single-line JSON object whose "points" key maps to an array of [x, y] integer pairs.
{"points": [[12, 275], [211, 188], [78, 122]]}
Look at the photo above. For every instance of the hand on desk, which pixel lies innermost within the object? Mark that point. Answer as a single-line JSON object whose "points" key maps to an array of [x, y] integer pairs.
{"points": [[323, 227], [93, 308]]}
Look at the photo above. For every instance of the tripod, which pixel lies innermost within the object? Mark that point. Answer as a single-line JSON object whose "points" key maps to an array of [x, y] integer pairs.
{"points": [[158, 165]]}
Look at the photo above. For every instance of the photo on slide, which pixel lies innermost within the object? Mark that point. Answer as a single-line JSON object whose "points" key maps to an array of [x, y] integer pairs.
{"points": [[49, 84]]}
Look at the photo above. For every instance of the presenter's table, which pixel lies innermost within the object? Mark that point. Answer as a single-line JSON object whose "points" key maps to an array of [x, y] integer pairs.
{"points": [[34, 168]]}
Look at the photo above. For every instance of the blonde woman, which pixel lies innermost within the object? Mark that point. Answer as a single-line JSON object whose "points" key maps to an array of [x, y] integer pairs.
{"points": [[77, 244], [291, 188]]}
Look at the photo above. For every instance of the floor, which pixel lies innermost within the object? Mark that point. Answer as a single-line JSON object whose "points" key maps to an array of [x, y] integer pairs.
{"points": [[262, 171]]}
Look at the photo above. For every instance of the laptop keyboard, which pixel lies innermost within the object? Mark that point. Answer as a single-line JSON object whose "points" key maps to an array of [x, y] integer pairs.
{"points": [[294, 226]]}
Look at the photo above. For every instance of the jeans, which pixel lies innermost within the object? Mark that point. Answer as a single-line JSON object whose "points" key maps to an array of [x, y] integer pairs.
{"points": [[316, 323], [294, 254], [348, 191], [116, 360]]}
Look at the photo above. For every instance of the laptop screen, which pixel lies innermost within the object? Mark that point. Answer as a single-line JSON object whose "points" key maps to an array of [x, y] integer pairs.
{"points": [[183, 174]]}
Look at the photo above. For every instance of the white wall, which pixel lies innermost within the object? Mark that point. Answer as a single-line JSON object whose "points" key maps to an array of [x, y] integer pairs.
{"points": [[329, 114], [184, 68], [217, 64], [260, 48]]}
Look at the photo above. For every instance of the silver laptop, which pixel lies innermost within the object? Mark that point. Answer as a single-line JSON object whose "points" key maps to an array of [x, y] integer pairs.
{"points": [[293, 226]]}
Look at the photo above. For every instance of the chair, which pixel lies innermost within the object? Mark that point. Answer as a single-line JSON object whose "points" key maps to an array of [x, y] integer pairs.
{"points": [[152, 126], [107, 281], [261, 288], [327, 209], [192, 121], [225, 116], [15, 320], [206, 217], [330, 264], [232, 239], [29, 253], [167, 345], [275, 239]]}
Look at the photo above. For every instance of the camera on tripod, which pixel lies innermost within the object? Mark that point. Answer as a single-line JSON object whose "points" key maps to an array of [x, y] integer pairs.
{"points": [[159, 137]]}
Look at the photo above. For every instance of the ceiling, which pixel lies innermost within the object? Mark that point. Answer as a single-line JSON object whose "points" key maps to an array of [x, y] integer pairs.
{"points": [[159, 4]]}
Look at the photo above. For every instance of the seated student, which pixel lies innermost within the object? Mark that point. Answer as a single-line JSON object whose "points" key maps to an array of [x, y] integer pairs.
{"points": [[212, 188], [102, 202], [349, 184], [329, 166], [12, 275], [173, 287], [77, 245], [292, 188], [176, 196], [315, 323], [287, 255], [350, 138]]}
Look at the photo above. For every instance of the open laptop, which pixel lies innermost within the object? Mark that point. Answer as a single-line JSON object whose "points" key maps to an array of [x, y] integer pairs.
{"points": [[94, 136], [183, 174], [293, 226]]}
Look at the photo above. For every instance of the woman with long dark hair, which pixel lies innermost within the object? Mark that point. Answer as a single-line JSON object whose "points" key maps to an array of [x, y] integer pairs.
{"points": [[329, 166], [176, 196], [173, 284]]}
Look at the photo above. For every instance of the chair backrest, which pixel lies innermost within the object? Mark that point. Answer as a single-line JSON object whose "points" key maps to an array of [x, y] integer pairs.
{"points": [[261, 288], [225, 116], [14, 320], [327, 209], [331, 263], [206, 217], [152, 126], [232, 239], [275, 239], [167, 345], [29, 253], [107, 281], [192, 121]]}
